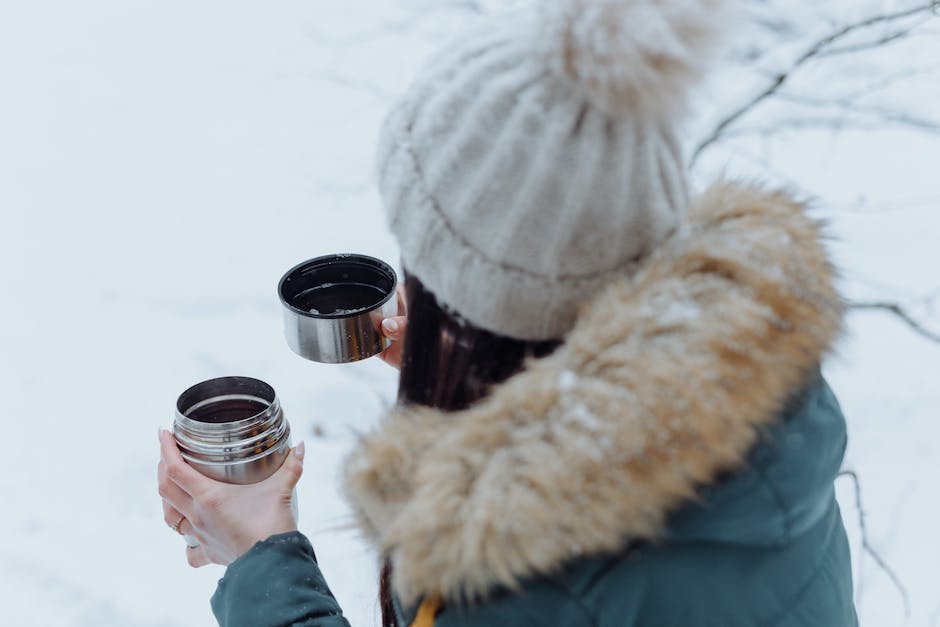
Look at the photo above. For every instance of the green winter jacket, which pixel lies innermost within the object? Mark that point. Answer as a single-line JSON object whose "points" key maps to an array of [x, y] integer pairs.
{"points": [[671, 464], [765, 547]]}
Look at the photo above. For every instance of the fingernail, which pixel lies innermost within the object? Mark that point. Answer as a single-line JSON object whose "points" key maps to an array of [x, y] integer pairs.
{"points": [[390, 325], [299, 451]]}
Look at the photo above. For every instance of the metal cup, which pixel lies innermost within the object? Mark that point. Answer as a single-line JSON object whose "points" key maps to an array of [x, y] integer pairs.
{"points": [[232, 429], [334, 305]]}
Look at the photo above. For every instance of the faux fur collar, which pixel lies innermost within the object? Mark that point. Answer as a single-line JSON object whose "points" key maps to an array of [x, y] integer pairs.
{"points": [[663, 383]]}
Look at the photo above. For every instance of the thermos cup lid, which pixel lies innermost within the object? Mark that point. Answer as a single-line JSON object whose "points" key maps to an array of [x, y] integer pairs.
{"points": [[334, 306]]}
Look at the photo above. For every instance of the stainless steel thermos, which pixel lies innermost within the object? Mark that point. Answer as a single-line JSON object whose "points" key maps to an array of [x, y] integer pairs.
{"points": [[232, 429]]}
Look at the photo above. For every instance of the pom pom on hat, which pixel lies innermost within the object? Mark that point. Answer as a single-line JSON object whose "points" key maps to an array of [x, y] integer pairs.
{"points": [[631, 57]]}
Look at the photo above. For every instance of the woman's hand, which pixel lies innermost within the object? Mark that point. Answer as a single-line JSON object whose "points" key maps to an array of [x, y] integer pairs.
{"points": [[394, 329], [225, 519]]}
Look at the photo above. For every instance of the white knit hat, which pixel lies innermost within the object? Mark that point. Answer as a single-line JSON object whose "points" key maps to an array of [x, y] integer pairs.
{"points": [[536, 159]]}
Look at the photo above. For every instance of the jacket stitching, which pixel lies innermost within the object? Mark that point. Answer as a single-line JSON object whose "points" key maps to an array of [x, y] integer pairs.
{"points": [[577, 598], [799, 594], [778, 500]]}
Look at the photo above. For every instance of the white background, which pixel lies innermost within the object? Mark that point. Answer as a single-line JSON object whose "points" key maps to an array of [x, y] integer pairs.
{"points": [[162, 163]]}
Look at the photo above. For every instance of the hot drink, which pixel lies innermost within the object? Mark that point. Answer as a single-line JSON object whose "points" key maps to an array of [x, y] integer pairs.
{"points": [[227, 409], [334, 306], [339, 298]]}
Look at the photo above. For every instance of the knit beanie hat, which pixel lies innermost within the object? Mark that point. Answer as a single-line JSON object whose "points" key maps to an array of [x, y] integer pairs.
{"points": [[535, 160]]}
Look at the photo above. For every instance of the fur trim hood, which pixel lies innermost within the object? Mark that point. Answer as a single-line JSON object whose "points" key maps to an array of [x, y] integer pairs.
{"points": [[665, 381]]}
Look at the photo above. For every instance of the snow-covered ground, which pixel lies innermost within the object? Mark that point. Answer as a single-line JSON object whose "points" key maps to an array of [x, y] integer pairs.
{"points": [[162, 163]]}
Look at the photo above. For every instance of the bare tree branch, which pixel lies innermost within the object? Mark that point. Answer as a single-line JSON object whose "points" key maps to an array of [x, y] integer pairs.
{"points": [[898, 311], [889, 81], [779, 127], [813, 52], [868, 45], [868, 548], [876, 43], [901, 204], [418, 12], [352, 83], [469, 5], [848, 107]]}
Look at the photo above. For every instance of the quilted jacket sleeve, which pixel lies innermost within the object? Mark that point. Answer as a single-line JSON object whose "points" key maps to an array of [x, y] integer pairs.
{"points": [[276, 583]]}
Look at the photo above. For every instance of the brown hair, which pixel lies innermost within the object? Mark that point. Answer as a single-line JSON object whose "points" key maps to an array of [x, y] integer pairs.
{"points": [[449, 363]]}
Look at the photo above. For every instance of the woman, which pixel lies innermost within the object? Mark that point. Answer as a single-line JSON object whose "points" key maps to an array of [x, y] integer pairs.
{"points": [[611, 412]]}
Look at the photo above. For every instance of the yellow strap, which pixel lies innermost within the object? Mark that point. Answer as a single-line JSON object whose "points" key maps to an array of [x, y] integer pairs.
{"points": [[426, 613]]}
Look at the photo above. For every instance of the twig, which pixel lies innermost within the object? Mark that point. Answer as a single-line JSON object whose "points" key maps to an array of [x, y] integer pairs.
{"points": [[802, 124], [908, 204], [867, 45], [888, 81], [876, 43], [897, 310], [403, 25], [346, 80], [469, 5], [883, 114], [810, 54], [868, 548]]}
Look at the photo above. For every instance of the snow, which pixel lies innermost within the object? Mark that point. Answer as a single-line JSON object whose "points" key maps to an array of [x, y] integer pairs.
{"points": [[162, 164], [567, 380]]}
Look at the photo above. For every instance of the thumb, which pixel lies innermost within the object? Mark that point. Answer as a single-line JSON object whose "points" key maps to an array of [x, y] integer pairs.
{"points": [[293, 467]]}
